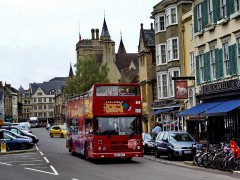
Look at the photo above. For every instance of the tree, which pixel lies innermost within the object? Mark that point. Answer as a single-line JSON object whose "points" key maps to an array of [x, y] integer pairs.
{"points": [[88, 72]]}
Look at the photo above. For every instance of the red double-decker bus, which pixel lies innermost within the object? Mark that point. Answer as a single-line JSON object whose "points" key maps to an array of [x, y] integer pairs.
{"points": [[106, 122]]}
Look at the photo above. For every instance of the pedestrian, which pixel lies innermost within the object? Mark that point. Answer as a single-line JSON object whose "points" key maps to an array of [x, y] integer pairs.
{"points": [[157, 129], [47, 126]]}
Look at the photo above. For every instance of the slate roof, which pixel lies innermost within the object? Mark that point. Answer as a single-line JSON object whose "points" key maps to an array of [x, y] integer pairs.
{"points": [[121, 48], [149, 37], [124, 60], [1, 94], [47, 87], [105, 31]]}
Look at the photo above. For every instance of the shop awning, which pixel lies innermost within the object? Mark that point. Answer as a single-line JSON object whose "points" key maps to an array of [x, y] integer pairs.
{"points": [[162, 110], [200, 108], [223, 108]]}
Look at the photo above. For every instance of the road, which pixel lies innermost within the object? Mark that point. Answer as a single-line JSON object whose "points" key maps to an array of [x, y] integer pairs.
{"points": [[51, 160]]}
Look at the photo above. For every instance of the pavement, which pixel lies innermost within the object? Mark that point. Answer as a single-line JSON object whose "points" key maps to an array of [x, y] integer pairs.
{"points": [[18, 151]]}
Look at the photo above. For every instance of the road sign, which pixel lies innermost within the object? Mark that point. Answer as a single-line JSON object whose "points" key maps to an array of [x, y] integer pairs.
{"points": [[3, 146]]}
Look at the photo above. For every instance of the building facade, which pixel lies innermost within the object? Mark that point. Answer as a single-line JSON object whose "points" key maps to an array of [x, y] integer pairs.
{"points": [[217, 52], [147, 74], [167, 16]]}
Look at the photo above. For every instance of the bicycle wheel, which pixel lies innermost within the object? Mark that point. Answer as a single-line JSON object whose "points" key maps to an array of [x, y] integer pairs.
{"points": [[197, 159], [232, 164], [205, 162]]}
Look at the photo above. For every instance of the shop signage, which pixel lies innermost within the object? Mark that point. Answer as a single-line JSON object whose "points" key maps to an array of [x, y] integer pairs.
{"points": [[221, 87], [181, 89]]}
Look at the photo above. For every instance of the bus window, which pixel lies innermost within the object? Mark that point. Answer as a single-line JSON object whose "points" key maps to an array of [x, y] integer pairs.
{"points": [[89, 126]]}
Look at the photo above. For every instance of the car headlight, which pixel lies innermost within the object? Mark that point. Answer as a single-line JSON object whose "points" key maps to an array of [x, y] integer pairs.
{"points": [[176, 146]]}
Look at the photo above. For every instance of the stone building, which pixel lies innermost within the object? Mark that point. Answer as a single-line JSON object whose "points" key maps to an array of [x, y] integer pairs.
{"points": [[147, 74], [123, 66], [167, 15]]}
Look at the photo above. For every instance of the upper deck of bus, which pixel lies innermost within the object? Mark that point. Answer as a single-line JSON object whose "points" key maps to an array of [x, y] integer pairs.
{"points": [[107, 99]]}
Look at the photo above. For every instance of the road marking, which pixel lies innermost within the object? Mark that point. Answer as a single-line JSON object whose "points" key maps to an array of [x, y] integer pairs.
{"points": [[41, 153], [46, 159], [6, 164], [74, 179], [29, 164], [37, 147], [55, 172]]}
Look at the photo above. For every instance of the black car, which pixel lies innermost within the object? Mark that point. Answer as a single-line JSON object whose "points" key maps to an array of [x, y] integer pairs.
{"points": [[21, 132], [13, 143], [148, 142]]}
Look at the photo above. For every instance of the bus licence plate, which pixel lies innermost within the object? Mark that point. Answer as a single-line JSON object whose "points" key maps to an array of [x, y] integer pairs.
{"points": [[119, 155]]}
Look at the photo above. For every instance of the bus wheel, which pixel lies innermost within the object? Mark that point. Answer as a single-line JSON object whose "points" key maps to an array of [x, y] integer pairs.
{"points": [[86, 152]]}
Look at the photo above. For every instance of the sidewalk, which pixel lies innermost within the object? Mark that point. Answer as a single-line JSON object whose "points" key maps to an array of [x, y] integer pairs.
{"points": [[33, 149], [186, 164]]}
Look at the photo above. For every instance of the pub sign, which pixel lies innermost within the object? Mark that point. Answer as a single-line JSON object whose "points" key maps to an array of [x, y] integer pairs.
{"points": [[181, 89]]}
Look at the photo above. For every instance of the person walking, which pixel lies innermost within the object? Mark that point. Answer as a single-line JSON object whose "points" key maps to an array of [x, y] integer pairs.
{"points": [[157, 129]]}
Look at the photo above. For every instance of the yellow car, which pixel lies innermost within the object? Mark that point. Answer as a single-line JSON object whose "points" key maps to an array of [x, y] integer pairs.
{"points": [[58, 131]]}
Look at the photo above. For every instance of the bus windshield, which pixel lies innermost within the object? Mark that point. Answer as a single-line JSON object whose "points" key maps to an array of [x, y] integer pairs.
{"points": [[117, 126]]}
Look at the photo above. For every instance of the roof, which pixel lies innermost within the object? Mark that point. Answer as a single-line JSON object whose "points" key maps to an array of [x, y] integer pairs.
{"points": [[149, 37], [121, 48], [105, 31], [123, 61], [47, 87]]}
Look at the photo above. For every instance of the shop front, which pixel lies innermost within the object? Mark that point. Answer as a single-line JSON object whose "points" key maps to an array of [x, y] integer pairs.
{"points": [[220, 105]]}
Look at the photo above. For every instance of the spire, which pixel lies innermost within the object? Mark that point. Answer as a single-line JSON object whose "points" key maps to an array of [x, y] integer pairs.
{"points": [[121, 49], [79, 35], [70, 71], [105, 32]]}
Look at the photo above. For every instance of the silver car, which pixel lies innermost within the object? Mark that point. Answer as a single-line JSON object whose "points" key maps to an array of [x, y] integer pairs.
{"points": [[174, 144]]}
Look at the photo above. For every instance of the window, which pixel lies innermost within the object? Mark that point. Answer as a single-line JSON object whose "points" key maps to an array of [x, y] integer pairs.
{"points": [[161, 54], [39, 99], [156, 24], [212, 61], [44, 99], [191, 97], [162, 85], [50, 106], [210, 11], [199, 17], [201, 65], [192, 62], [226, 58], [237, 5], [34, 99], [35, 107], [39, 93], [238, 52], [172, 49], [50, 99], [171, 16], [162, 23], [39, 106], [223, 8], [172, 73]]}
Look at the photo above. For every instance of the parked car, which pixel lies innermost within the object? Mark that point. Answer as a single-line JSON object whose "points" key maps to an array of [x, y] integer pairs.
{"points": [[5, 131], [174, 144], [13, 143], [21, 132], [25, 126], [148, 142], [58, 131]]}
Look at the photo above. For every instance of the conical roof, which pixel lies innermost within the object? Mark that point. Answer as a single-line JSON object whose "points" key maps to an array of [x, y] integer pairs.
{"points": [[105, 31]]}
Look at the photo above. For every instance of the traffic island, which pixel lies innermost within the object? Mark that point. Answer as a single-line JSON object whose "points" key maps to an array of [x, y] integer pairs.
{"points": [[18, 151]]}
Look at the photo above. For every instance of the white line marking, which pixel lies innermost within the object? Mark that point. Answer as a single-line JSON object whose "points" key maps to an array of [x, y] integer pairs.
{"points": [[46, 159], [37, 147], [6, 164], [29, 164], [56, 173], [41, 171], [41, 153], [74, 179]]}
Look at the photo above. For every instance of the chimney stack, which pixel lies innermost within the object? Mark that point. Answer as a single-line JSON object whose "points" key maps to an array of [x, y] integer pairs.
{"points": [[93, 35], [151, 26], [97, 34]]}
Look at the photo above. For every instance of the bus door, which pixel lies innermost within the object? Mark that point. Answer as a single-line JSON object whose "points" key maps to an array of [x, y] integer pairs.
{"points": [[89, 133]]}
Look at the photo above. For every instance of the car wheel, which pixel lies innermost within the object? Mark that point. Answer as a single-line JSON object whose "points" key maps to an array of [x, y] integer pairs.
{"points": [[144, 151], [23, 146], [62, 136], [170, 155], [157, 154], [51, 135]]}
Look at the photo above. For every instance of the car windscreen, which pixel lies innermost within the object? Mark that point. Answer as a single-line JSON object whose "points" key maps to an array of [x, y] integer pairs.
{"points": [[178, 137], [150, 136]]}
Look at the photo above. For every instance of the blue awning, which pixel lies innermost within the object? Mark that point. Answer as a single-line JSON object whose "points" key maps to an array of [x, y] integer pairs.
{"points": [[223, 108], [161, 111], [200, 108]]}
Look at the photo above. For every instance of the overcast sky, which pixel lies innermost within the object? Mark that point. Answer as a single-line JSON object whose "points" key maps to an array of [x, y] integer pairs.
{"points": [[38, 37]]}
